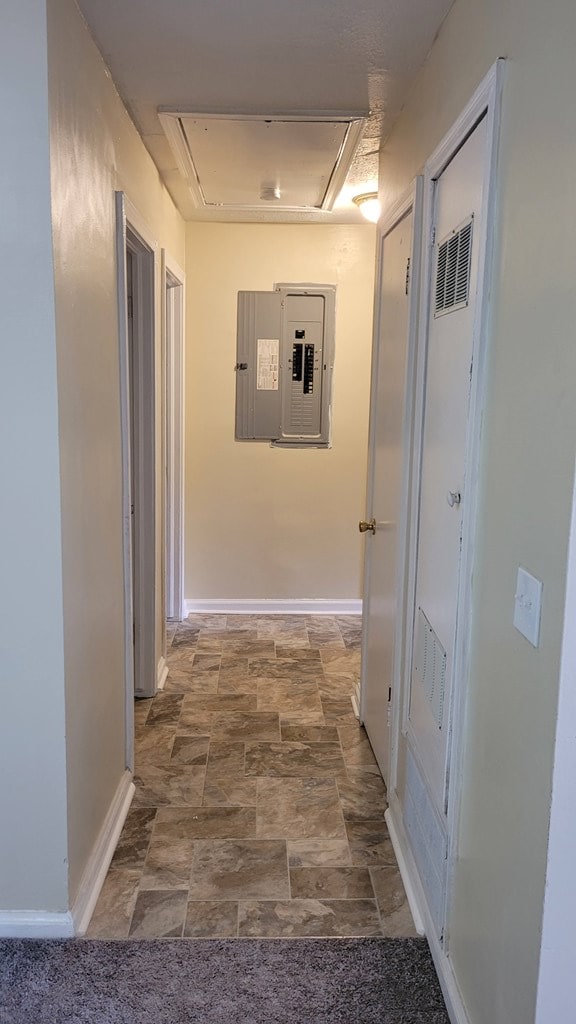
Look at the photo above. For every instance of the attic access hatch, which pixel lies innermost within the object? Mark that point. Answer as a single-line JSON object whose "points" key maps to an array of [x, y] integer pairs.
{"points": [[260, 162]]}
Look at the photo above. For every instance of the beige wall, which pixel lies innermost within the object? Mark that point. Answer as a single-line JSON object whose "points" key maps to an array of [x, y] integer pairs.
{"points": [[32, 752], [263, 522], [94, 150], [528, 455]]}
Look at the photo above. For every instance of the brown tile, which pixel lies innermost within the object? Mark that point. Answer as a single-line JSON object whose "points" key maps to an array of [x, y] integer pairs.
{"points": [[309, 733], [356, 745], [303, 760], [304, 853], [211, 920], [325, 918], [338, 712], [205, 823], [165, 710], [167, 784], [293, 653], [245, 726], [341, 663], [185, 683], [206, 621], [134, 839], [115, 906], [233, 792], [225, 760], [158, 914], [154, 746], [239, 869], [283, 695], [395, 916], [167, 864], [333, 687], [184, 636], [195, 724], [141, 709], [190, 750], [205, 664], [301, 720], [249, 648], [285, 668], [362, 795], [298, 809], [331, 883], [370, 843], [194, 703]]}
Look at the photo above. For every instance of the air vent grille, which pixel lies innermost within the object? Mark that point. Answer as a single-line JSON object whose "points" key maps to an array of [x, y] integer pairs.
{"points": [[453, 270], [430, 667]]}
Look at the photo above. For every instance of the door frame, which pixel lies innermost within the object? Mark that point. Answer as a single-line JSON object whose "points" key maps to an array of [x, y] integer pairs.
{"points": [[486, 101], [173, 316], [132, 231], [411, 200]]}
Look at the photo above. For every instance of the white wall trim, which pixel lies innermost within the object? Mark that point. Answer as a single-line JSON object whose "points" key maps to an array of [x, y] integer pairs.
{"points": [[263, 606], [162, 673], [174, 305], [36, 924], [42, 924], [452, 996], [102, 853], [402, 855]]}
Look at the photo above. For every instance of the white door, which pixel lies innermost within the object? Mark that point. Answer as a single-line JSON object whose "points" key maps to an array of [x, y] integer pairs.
{"points": [[385, 475], [454, 267]]}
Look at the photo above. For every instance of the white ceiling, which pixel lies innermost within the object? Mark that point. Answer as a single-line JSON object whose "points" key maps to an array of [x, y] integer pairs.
{"points": [[265, 56]]}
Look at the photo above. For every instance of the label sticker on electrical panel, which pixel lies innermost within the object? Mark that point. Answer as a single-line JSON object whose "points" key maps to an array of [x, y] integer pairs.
{"points": [[268, 360]]}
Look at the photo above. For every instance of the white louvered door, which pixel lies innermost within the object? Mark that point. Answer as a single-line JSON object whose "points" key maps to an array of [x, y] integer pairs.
{"points": [[450, 323]]}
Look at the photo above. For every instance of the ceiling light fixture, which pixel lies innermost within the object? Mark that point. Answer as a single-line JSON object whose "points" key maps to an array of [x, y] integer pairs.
{"points": [[369, 205]]}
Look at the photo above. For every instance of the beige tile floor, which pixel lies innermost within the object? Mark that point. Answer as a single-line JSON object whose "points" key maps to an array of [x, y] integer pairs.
{"points": [[259, 808]]}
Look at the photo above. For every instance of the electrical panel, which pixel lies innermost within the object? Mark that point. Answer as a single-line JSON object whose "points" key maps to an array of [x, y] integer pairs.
{"points": [[285, 358]]}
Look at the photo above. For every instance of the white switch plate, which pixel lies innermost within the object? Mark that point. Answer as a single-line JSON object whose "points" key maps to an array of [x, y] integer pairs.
{"points": [[527, 605]]}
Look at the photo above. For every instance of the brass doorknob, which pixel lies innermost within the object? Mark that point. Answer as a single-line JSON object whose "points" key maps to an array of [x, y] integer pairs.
{"points": [[365, 527]]}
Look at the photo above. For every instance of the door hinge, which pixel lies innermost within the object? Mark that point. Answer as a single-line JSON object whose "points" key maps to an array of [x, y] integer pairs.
{"points": [[389, 694], [407, 275], [433, 236]]}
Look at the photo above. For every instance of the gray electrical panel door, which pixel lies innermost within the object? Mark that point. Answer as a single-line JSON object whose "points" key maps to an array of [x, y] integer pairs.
{"points": [[258, 395], [285, 359]]}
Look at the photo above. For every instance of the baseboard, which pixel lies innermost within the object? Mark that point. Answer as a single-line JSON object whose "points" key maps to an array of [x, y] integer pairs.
{"points": [[407, 874], [36, 924], [102, 853], [422, 918], [264, 606], [161, 673]]}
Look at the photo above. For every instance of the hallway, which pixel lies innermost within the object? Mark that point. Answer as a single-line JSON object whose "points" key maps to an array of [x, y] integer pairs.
{"points": [[259, 807]]}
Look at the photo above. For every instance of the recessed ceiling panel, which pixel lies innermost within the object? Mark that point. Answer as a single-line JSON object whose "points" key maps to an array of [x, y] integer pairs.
{"points": [[259, 162]]}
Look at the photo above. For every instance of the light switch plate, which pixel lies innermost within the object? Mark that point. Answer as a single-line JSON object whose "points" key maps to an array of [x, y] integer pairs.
{"points": [[527, 606]]}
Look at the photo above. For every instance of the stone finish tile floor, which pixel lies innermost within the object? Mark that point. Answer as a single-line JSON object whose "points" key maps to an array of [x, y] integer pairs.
{"points": [[259, 807]]}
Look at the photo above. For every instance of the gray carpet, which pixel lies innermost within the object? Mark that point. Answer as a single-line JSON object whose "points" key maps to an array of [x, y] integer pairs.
{"points": [[227, 981]]}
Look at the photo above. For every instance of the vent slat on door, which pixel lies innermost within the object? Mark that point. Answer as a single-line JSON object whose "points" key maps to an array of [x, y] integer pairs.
{"points": [[453, 270]]}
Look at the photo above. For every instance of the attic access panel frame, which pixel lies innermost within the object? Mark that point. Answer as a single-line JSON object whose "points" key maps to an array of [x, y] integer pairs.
{"points": [[173, 123]]}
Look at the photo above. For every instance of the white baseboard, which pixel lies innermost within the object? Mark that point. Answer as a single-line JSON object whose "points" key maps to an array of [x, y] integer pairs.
{"points": [[264, 606], [400, 851], [422, 918], [102, 853], [161, 673], [36, 924]]}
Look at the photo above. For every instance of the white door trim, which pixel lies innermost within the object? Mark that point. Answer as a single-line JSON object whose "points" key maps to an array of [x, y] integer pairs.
{"points": [[131, 227], [173, 293], [410, 200], [485, 102]]}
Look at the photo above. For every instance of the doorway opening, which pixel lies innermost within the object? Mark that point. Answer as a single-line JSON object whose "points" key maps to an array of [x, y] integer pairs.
{"points": [[136, 262]]}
